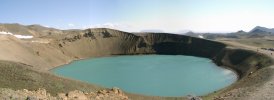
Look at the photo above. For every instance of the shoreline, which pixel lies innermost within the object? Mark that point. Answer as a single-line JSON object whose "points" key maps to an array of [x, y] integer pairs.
{"points": [[208, 95], [223, 67]]}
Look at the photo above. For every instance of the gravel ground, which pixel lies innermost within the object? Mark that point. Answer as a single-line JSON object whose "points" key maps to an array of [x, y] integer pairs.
{"points": [[41, 94]]}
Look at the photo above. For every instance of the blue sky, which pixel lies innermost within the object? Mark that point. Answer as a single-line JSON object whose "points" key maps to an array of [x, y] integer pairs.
{"points": [[136, 15]]}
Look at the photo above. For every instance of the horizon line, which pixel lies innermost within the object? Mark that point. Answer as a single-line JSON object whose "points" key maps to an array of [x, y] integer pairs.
{"points": [[140, 31]]}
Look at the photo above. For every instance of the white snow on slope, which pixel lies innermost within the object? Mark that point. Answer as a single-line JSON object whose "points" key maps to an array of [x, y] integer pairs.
{"points": [[5, 33], [15, 35], [200, 36], [23, 36]]}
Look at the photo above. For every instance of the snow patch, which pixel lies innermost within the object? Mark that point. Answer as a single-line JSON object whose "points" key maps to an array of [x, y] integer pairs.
{"points": [[23, 36], [40, 41], [200, 36], [15, 35], [5, 33]]}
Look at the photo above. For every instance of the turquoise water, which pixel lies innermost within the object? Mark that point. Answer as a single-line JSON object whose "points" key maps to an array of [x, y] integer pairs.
{"points": [[157, 75]]}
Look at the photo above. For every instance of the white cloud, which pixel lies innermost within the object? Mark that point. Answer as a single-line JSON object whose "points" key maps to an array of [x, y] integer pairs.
{"points": [[71, 25], [118, 26], [110, 25]]}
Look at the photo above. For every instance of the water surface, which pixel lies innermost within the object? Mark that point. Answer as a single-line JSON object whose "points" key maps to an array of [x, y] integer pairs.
{"points": [[157, 75]]}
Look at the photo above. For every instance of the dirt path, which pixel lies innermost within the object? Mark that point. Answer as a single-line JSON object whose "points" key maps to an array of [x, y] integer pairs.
{"points": [[253, 48]]}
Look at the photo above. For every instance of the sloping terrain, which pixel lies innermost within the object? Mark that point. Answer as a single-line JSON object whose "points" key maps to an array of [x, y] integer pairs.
{"points": [[20, 76]]}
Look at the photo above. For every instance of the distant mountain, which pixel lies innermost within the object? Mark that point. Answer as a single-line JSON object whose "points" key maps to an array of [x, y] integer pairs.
{"points": [[190, 33], [259, 32], [259, 29], [240, 32], [33, 30]]}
